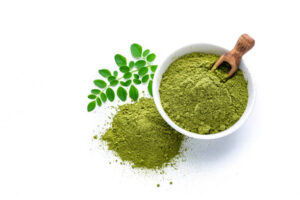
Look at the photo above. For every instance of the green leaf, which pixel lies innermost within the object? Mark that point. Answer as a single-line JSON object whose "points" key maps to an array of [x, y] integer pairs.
{"points": [[151, 57], [136, 50], [123, 83], [143, 71], [152, 76], [95, 91], [145, 78], [100, 83], [127, 75], [126, 83], [114, 82], [136, 76], [99, 103], [150, 87], [91, 106], [103, 97], [140, 63], [153, 68], [120, 60], [137, 81], [131, 64], [146, 52], [115, 73], [133, 93], [110, 94], [111, 78], [104, 72], [92, 96], [124, 69], [122, 93]]}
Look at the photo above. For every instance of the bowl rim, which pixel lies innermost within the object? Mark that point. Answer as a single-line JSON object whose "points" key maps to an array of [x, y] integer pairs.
{"points": [[189, 49]]}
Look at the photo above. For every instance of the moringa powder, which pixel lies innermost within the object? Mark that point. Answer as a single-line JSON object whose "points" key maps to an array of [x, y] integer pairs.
{"points": [[138, 134], [201, 101]]}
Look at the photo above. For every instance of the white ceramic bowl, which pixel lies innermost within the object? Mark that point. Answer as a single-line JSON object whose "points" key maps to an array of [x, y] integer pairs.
{"points": [[205, 48]]}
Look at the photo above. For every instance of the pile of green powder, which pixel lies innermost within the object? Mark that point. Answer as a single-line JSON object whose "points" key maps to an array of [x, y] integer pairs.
{"points": [[201, 101], [138, 134]]}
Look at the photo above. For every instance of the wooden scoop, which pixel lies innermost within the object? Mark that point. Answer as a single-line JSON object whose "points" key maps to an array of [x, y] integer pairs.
{"points": [[233, 57]]}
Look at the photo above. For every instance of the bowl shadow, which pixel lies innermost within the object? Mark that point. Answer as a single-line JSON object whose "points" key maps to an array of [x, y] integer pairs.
{"points": [[210, 153]]}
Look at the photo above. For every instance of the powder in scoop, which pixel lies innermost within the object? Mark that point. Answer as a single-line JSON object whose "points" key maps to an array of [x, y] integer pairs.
{"points": [[138, 134], [201, 101]]}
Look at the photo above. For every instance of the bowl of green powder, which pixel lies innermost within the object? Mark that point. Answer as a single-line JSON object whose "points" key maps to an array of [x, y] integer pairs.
{"points": [[197, 102]]}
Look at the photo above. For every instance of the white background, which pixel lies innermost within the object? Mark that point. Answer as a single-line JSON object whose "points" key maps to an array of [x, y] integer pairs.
{"points": [[50, 52]]}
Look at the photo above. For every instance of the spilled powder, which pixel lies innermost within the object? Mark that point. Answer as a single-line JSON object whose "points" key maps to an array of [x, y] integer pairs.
{"points": [[201, 101], [138, 134]]}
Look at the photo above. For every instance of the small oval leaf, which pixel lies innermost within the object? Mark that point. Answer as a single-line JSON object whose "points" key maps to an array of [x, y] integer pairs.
{"points": [[126, 83], [152, 76], [110, 94], [91, 106], [133, 93], [100, 83], [103, 97], [136, 76], [92, 96], [114, 82], [124, 69], [111, 78], [145, 78], [146, 52], [131, 64], [123, 83], [120, 60], [140, 63], [150, 87], [99, 103], [143, 71], [127, 75], [136, 50], [104, 72], [153, 68], [137, 81], [151, 57], [95, 91], [115, 73], [122, 93]]}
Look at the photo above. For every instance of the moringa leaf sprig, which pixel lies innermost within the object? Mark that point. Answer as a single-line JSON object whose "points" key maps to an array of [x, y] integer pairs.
{"points": [[121, 82]]}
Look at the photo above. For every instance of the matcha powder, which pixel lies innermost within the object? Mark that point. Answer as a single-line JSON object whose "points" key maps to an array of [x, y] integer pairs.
{"points": [[201, 101], [138, 134]]}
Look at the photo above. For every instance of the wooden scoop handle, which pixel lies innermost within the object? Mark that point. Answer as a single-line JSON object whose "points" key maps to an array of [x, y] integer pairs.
{"points": [[242, 46], [233, 57]]}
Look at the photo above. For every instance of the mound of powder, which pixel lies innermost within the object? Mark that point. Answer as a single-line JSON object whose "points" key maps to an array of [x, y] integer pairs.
{"points": [[201, 101], [138, 134]]}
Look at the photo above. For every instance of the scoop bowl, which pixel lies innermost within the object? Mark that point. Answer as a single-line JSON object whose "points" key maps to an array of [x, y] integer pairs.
{"points": [[204, 48]]}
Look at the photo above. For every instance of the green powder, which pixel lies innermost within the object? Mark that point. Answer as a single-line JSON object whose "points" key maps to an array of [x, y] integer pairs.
{"points": [[139, 135], [201, 101]]}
